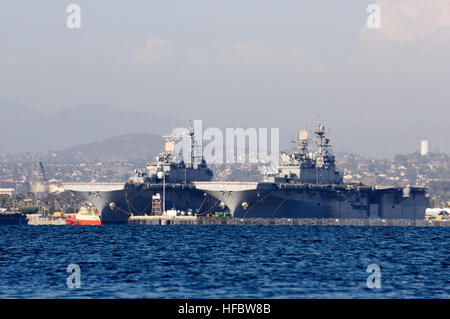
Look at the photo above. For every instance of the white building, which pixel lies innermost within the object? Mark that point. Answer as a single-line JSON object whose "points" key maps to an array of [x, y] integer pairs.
{"points": [[6, 191], [55, 188], [424, 147]]}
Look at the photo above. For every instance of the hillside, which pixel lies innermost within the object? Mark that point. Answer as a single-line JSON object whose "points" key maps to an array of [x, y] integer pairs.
{"points": [[124, 148], [30, 131]]}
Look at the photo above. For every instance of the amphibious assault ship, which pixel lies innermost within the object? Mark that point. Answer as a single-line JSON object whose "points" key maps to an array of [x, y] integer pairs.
{"points": [[167, 183], [307, 185]]}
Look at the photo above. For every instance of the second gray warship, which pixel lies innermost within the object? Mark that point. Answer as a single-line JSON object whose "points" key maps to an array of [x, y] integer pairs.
{"points": [[307, 185]]}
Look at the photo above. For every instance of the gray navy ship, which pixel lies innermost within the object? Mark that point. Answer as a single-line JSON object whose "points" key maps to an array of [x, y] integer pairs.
{"points": [[167, 183], [307, 185]]}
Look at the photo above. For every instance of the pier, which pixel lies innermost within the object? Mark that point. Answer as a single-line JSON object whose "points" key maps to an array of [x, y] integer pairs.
{"points": [[218, 220]]}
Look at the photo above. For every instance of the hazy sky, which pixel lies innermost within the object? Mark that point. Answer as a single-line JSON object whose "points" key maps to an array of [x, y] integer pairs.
{"points": [[249, 63]]}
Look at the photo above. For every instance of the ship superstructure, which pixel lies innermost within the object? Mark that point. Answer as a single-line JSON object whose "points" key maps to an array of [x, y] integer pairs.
{"points": [[308, 185], [171, 167], [301, 166]]}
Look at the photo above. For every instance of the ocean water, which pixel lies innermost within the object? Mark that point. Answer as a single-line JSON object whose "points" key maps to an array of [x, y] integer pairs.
{"points": [[189, 261]]}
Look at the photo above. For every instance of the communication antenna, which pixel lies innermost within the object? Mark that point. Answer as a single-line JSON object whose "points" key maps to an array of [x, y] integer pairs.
{"points": [[194, 145], [303, 141], [191, 135]]}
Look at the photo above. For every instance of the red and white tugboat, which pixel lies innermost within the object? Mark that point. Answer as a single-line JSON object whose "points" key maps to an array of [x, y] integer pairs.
{"points": [[85, 216]]}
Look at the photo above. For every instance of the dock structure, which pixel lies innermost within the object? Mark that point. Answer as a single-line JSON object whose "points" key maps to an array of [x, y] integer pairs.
{"points": [[162, 220], [218, 220], [12, 218]]}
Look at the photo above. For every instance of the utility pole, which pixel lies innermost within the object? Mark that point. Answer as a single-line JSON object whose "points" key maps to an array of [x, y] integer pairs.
{"points": [[164, 191]]}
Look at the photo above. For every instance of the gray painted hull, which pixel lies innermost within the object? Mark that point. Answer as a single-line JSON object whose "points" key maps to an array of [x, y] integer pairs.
{"points": [[272, 200], [117, 206]]}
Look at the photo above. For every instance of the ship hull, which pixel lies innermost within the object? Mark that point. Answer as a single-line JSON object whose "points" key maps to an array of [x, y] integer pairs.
{"points": [[76, 221], [117, 206], [13, 219], [272, 200]]}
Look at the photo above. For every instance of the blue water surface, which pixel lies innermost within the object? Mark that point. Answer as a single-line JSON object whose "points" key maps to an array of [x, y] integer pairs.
{"points": [[193, 261]]}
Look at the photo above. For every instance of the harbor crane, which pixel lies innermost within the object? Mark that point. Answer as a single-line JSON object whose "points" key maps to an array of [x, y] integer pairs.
{"points": [[44, 178]]}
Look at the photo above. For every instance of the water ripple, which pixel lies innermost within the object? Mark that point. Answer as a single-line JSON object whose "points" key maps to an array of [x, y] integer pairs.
{"points": [[224, 261]]}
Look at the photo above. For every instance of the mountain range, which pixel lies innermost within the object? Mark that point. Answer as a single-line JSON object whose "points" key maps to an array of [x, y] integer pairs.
{"points": [[26, 130], [123, 148]]}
